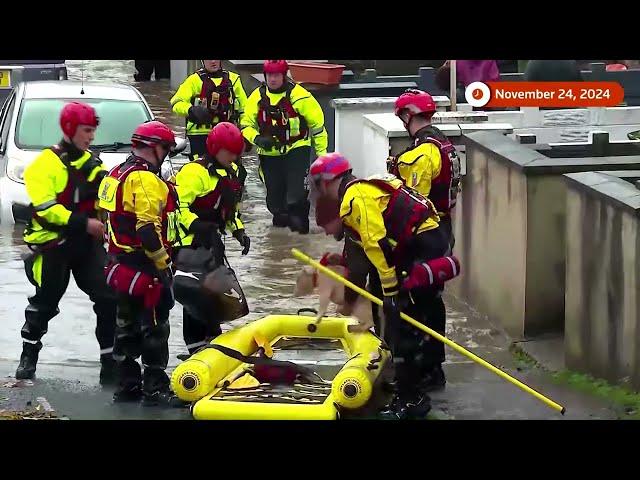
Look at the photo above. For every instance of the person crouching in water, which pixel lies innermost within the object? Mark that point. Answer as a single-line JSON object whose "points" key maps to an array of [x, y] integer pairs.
{"points": [[398, 230]]}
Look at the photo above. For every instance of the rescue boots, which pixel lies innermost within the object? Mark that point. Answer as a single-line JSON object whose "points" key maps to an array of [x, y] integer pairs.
{"points": [[299, 224], [280, 220], [28, 361], [108, 370], [162, 398], [299, 217], [128, 393], [403, 407], [156, 391], [129, 381]]}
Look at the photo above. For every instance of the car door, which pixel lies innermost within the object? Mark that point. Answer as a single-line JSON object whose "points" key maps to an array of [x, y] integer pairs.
{"points": [[6, 115]]}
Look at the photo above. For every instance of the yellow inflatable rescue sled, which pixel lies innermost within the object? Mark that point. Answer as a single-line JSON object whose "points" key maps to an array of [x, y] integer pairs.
{"points": [[226, 380]]}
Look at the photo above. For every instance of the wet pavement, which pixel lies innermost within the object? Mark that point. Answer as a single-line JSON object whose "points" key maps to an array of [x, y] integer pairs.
{"points": [[68, 366]]}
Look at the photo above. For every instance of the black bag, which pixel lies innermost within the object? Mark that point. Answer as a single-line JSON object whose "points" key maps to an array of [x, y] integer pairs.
{"points": [[206, 289]]}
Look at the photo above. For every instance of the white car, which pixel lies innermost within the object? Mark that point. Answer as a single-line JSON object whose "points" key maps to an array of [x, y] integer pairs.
{"points": [[29, 123]]}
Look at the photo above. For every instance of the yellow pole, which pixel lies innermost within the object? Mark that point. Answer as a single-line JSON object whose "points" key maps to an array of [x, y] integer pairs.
{"points": [[321, 268]]}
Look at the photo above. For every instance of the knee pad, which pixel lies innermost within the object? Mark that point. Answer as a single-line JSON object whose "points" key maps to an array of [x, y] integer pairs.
{"points": [[39, 314], [36, 321]]}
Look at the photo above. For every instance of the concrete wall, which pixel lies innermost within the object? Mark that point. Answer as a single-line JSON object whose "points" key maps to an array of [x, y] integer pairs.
{"points": [[544, 299], [602, 333], [510, 231], [491, 228], [350, 135]]}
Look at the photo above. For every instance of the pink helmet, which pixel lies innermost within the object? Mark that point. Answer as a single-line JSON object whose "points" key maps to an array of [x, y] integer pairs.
{"points": [[328, 167], [415, 102]]}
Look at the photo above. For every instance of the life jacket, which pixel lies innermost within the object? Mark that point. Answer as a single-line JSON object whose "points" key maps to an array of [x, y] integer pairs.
{"points": [[274, 120], [446, 186], [123, 237], [78, 195], [219, 205], [219, 99], [406, 211]]}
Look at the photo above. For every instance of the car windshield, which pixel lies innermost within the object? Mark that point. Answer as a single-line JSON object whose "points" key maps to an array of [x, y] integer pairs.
{"points": [[39, 127]]}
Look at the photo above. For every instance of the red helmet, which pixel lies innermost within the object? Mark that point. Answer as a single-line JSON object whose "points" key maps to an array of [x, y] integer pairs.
{"points": [[329, 166], [276, 66], [616, 67], [152, 134], [416, 102], [225, 136], [74, 114]]}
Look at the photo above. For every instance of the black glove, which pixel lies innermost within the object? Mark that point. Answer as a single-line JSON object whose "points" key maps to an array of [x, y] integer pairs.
{"points": [[166, 279], [243, 240], [199, 115], [391, 308], [265, 142], [166, 276]]}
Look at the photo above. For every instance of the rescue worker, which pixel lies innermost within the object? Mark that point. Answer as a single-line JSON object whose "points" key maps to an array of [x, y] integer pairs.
{"points": [[207, 97], [396, 227], [141, 227], [283, 119], [66, 237], [430, 165], [209, 191]]}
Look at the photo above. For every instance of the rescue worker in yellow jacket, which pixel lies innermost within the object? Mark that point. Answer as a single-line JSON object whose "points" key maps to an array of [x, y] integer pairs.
{"points": [[207, 97], [283, 119], [66, 237], [142, 227], [209, 192], [396, 228], [430, 165]]}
